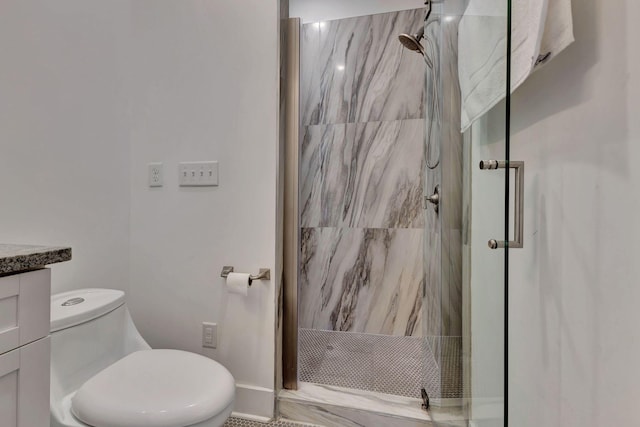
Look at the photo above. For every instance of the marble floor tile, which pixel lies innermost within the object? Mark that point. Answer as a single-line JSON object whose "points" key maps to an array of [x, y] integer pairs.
{"points": [[337, 406]]}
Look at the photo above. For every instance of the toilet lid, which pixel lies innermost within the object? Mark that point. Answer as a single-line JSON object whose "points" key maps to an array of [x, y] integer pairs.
{"points": [[155, 388]]}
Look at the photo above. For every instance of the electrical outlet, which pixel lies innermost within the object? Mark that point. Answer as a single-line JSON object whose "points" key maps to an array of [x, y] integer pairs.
{"points": [[198, 174], [209, 335], [155, 175]]}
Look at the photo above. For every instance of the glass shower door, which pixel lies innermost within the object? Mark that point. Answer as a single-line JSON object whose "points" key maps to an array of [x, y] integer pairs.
{"points": [[467, 239], [484, 60]]}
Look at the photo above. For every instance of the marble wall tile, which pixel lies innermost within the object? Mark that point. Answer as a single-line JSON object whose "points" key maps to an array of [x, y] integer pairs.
{"points": [[315, 142], [433, 123], [355, 70], [447, 223], [432, 303], [451, 137], [452, 283], [366, 175], [361, 280], [365, 119], [452, 178]]}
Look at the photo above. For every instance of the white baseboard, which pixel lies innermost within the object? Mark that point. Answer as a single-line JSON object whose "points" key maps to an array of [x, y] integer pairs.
{"points": [[254, 403], [250, 417]]}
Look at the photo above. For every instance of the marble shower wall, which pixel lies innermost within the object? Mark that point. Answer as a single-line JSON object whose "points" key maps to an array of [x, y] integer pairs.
{"points": [[362, 279], [361, 176], [354, 70]]}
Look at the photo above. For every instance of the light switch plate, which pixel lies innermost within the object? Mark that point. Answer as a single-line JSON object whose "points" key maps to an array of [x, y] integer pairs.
{"points": [[198, 174]]}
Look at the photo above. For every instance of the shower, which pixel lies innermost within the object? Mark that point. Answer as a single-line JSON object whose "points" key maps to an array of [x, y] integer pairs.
{"points": [[364, 308], [412, 42]]}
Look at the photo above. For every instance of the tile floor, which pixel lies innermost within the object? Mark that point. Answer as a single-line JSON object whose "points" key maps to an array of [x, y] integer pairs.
{"points": [[238, 422], [380, 363]]}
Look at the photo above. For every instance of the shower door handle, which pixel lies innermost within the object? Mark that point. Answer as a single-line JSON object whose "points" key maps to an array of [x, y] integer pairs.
{"points": [[518, 167]]}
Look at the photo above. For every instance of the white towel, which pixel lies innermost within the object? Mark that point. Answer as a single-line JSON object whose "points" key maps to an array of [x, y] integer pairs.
{"points": [[540, 30]]}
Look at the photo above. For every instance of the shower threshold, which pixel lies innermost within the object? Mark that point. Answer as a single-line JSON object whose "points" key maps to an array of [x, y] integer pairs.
{"points": [[327, 405]]}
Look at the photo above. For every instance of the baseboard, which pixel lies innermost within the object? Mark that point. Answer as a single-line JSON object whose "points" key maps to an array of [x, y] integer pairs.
{"points": [[250, 417], [254, 403]]}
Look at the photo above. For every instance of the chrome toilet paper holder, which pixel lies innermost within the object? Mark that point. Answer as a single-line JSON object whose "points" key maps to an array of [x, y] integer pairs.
{"points": [[263, 274]]}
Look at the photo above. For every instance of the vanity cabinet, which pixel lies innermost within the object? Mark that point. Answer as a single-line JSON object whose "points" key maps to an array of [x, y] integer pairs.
{"points": [[25, 348]]}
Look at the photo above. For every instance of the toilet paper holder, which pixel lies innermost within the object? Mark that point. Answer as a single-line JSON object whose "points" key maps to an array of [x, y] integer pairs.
{"points": [[263, 274]]}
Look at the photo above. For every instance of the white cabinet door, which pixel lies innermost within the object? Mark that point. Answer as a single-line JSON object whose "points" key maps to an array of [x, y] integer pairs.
{"points": [[9, 367], [24, 385], [25, 308], [9, 304], [24, 352]]}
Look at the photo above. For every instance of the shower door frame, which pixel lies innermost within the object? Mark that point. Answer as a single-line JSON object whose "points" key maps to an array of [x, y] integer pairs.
{"points": [[291, 214]]}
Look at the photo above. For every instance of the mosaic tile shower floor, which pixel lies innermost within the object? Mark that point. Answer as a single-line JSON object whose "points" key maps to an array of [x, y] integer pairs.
{"points": [[239, 422], [380, 363]]}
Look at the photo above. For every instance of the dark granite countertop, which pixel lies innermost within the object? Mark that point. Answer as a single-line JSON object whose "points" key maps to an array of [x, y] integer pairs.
{"points": [[16, 258]]}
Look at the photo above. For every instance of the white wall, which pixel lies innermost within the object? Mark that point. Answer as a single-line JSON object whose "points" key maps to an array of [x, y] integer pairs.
{"points": [[575, 340], [64, 160], [326, 10], [574, 335], [204, 86], [90, 92]]}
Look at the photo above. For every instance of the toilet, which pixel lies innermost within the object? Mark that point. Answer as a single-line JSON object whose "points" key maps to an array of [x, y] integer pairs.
{"points": [[104, 374]]}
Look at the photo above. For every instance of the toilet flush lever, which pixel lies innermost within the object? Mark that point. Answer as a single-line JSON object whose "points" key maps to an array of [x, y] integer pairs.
{"points": [[72, 301]]}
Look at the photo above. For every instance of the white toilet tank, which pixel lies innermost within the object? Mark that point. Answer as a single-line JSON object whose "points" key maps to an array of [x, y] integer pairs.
{"points": [[77, 318]]}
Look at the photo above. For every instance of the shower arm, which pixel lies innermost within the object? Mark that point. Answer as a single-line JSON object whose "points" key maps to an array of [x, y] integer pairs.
{"points": [[427, 3]]}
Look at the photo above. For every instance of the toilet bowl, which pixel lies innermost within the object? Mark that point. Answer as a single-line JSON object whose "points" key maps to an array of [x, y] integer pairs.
{"points": [[104, 374]]}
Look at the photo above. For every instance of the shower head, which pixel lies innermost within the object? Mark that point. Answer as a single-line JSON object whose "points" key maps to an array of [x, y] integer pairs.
{"points": [[412, 42]]}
